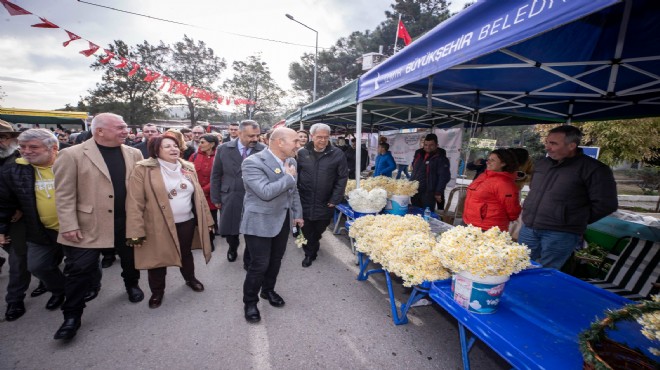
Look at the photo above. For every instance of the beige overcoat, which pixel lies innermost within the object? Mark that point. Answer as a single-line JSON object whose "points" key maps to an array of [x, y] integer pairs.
{"points": [[84, 194], [148, 214]]}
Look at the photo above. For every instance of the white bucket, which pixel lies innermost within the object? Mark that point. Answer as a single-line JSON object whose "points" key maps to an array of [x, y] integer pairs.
{"points": [[397, 205], [477, 294]]}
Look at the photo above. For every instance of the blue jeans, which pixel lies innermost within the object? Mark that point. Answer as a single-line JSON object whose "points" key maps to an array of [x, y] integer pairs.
{"points": [[549, 247], [403, 168]]}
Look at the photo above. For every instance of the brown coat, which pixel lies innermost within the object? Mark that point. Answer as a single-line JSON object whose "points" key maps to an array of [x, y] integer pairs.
{"points": [[148, 214], [84, 194]]}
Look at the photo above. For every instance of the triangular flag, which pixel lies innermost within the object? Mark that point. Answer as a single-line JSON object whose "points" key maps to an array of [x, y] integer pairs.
{"points": [[108, 57], [72, 37], [46, 24], [165, 81], [151, 75], [92, 49], [123, 63], [134, 70], [14, 9], [402, 33]]}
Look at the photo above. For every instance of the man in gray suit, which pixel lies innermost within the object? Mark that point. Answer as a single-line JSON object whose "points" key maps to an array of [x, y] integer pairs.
{"points": [[227, 189], [271, 203]]}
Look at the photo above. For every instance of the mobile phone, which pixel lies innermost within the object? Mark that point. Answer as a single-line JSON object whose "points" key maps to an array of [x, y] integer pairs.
{"points": [[295, 231]]}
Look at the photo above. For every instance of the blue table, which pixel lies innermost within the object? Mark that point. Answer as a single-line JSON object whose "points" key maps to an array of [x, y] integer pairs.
{"points": [[538, 320], [345, 210], [418, 292]]}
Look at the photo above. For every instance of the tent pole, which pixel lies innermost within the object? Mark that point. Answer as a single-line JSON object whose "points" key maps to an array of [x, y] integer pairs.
{"points": [[358, 143]]}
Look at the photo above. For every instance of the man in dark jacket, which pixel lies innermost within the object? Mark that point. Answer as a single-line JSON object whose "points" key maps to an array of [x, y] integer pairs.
{"points": [[19, 277], [227, 188], [322, 177], [569, 190], [34, 195], [350, 159], [431, 170]]}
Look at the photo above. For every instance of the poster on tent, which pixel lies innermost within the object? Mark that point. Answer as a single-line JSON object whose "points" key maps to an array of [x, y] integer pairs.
{"points": [[450, 140]]}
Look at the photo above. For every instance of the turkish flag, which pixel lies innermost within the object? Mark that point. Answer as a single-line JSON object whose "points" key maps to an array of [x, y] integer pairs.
{"points": [[123, 63], [134, 70], [402, 33], [46, 24], [92, 49], [14, 9], [72, 37]]}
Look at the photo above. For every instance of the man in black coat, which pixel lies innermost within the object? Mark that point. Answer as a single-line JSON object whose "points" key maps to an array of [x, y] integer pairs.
{"points": [[34, 196], [227, 189], [19, 277], [350, 159], [148, 131], [431, 170], [322, 177]]}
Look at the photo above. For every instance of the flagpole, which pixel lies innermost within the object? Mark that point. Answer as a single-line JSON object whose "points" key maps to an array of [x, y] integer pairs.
{"points": [[396, 37]]}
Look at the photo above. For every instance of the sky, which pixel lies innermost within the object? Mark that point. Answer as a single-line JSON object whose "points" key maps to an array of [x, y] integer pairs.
{"points": [[37, 72]]}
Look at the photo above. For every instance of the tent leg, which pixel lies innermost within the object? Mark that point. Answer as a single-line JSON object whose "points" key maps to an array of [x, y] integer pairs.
{"points": [[358, 143]]}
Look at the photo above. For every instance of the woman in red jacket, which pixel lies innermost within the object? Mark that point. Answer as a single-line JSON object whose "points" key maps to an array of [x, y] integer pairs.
{"points": [[492, 198], [203, 161]]}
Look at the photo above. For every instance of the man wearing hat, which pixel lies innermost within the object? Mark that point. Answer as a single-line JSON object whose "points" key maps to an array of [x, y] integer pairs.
{"points": [[19, 277]]}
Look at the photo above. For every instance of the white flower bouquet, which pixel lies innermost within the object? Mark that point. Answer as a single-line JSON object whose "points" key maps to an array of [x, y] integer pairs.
{"points": [[392, 186], [650, 322], [481, 253], [364, 201], [402, 245]]}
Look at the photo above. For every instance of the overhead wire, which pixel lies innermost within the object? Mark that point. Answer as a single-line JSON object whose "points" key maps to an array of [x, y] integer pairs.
{"points": [[196, 26]]}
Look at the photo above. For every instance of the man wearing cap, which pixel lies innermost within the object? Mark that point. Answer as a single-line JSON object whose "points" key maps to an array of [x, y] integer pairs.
{"points": [[431, 170], [19, 277]]}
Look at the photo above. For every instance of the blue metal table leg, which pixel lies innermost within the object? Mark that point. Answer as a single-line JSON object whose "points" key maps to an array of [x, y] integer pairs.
{"points": [[337, 221], [416, 294], [466, 346], [398, 319], [364, 263]]}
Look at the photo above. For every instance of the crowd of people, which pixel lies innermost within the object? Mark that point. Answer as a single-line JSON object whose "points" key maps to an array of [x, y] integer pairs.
{"points": [[154, 197]]}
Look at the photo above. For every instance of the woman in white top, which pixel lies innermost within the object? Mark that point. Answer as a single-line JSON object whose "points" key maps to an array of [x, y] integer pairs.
{"points": [[166, 216]]}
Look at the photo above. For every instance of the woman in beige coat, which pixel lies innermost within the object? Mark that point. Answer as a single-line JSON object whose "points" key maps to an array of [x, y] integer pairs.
{"points": [[166, 212]]}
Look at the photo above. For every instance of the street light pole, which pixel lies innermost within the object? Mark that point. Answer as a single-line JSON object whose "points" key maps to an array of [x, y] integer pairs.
{"points": [[316, 51]]}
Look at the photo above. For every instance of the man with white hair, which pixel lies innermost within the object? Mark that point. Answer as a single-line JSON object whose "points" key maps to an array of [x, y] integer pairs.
{"points": [[28, 185], [90, 189], [322, 177]]}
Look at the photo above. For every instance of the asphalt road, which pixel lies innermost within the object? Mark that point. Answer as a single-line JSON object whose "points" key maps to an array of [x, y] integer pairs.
{"points": [[330, 321]]}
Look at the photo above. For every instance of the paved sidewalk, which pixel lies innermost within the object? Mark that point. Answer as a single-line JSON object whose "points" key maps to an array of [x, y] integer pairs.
{"points": [[330, 321]]}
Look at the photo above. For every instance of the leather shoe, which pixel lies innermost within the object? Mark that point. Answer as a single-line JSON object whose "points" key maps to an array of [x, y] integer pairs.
{"points": [[39, 290], [195, 285], [273, 298], [155, 300], [231, 255], [91, 294], [252, 312], [135, 294], [68, 329], [107, 261], [307, 261], [55, 301], [14, 311]]}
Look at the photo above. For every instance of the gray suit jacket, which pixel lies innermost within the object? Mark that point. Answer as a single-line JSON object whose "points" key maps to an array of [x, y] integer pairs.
{"points": [[227, 185], [269, 194]]}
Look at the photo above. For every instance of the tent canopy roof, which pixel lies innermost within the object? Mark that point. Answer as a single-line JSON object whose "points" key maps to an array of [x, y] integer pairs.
{"points": [[523, 61]]}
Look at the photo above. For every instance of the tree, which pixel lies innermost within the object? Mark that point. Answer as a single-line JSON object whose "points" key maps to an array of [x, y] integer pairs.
{"points": [[2, 94], [339, 64], [196, 65], [634, 140], [253, 81], [129, 96]]}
